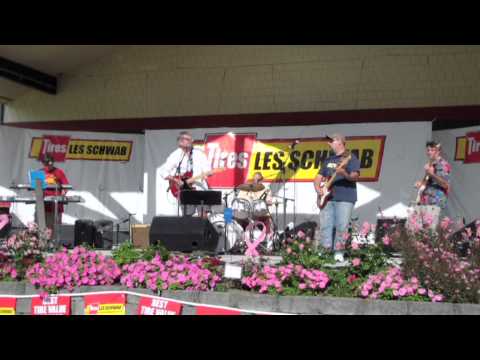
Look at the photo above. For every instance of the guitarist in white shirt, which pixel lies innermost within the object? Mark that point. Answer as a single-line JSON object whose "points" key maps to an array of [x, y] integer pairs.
{"points": [[185, 160], [336, 211]]}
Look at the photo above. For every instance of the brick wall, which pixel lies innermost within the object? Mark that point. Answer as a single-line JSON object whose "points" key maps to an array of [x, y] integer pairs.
{"points": [[161, 81]]}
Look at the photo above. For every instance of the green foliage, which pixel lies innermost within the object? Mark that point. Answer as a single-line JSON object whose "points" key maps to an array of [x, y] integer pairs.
{"points": [[126, 254], [149, 253]]}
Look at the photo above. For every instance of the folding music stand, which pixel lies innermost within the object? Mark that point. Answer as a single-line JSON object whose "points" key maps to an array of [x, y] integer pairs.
{"points": [[202, 198]]}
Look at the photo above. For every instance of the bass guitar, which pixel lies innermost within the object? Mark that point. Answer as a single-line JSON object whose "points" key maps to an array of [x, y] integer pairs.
{"points": [[326, 186], [423, 186]]}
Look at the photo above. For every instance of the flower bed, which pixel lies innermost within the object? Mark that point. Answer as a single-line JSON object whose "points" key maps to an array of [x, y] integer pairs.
{"points": [[432, 269], [177, 273], [66, 270]]}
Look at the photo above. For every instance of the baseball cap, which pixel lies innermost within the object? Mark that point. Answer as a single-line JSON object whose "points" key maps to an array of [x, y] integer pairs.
{"points": [[336, 136]]}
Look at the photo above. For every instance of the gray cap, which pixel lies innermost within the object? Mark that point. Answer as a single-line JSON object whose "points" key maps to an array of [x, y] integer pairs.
{"points": [[337, 136]]}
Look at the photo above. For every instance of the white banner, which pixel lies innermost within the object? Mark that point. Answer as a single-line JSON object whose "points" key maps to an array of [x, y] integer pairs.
{"points": [[105, 169], [464, 198], [392, 157]]}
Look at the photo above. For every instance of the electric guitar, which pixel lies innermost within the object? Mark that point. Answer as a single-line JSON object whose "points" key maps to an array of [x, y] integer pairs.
{"points": [[326, 186], [188, 179], [423, 186]]}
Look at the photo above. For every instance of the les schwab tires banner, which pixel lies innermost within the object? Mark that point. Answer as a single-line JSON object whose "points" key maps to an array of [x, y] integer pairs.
{"points": [[391, 155]]}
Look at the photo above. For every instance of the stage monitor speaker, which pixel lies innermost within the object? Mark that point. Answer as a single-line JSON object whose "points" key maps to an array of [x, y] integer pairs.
{"points": [[67, 235], [308, 228], [184, 234], [103, 234], [97, 234], [84, 233], [462, 241]]}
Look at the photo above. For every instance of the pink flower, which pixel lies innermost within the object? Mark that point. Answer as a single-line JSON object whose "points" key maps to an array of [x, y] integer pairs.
{"points": [[355, 246], [402, 291], [356, 262], [387, 240], [351, 278], [302, 286], [289, 250], [365, 229], [445, 223]]}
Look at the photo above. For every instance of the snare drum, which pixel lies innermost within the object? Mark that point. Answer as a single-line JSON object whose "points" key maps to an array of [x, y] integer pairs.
{"points": [[241, 209], [260, 210]]}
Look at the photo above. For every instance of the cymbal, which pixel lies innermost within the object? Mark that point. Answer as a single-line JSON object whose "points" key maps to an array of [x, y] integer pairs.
{"points": [[251, 187]]}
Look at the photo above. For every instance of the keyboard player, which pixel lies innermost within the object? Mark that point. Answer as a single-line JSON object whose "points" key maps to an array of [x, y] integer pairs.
{"points": [[53, 176]]}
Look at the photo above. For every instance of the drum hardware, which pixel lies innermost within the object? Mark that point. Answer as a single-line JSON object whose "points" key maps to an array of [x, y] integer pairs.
{"points": [[251, 187]]}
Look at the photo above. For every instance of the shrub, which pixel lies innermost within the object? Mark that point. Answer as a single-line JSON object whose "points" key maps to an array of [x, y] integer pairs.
{"points": [[433, 257]]}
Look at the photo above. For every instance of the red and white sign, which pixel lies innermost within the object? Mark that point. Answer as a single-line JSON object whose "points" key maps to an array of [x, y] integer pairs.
{"points": [[57, 146], [231, 152], [106, 304], [52, 305], [473, 148], [8, 306], [150, 306], [205, 310]]}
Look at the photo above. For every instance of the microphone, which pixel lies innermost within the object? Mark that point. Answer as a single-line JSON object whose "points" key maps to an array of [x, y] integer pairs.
{"points": [[295, 143]]}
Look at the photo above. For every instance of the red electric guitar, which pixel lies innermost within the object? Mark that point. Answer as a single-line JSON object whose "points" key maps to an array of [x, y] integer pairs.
{"points": [[188, 179]]}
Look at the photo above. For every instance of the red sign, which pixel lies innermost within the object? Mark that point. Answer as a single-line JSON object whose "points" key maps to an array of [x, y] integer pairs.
{"points": [[473, 148], [52, 305], [205, 310], [8, 306], [57, 146], [149, 306], [106, 304], [231, 152]]}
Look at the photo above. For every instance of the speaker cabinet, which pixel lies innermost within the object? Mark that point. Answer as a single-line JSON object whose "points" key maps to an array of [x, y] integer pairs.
{"points": [[184, 234]]}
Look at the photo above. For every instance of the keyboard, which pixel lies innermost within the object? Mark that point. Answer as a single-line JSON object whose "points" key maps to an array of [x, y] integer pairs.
{"points": [[48, 199]]}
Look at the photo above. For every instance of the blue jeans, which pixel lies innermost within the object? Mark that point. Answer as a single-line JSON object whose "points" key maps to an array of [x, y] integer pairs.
{"points": [[334, 215]]}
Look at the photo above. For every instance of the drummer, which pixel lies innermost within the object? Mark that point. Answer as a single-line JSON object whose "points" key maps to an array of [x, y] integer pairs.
{"points": [[264, 194]]}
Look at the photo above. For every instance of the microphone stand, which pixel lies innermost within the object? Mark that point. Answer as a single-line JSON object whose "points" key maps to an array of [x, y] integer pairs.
{"points": [[294, 191]]}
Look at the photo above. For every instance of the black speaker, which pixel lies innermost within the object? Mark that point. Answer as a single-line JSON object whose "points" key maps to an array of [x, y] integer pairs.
{"points": [[184, 234], [308, 228], [84, 233], [103, 234], [98, 234], [461, 241], [67, 235]]}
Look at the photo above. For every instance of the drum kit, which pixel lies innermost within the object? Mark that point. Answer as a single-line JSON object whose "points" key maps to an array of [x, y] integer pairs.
{"points": [[247, 220]]}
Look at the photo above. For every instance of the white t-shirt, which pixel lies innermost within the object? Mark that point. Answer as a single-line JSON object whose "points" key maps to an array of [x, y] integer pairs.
{"points": [[198, 165]]}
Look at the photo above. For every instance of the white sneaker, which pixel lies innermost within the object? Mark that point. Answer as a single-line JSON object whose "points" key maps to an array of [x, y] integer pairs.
{"points": [[339, 257]]}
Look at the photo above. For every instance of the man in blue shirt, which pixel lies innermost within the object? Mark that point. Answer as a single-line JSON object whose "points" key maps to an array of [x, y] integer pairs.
{"points": [[338, 210]]}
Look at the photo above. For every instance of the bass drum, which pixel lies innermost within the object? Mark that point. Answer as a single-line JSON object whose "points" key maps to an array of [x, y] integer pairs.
{"points": [[234, 233]]}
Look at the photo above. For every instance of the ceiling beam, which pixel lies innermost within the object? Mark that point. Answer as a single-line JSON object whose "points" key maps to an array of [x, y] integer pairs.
{"points": [[27, 76]]}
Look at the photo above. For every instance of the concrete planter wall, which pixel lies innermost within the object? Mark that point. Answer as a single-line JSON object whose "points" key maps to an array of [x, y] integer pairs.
{"points": [[244, 300]]}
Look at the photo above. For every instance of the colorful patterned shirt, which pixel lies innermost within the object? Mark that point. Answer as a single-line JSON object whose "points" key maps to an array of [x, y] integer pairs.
{"points": [[434, 194]]}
